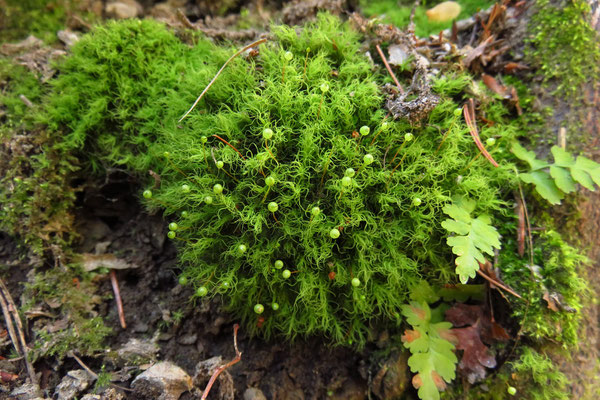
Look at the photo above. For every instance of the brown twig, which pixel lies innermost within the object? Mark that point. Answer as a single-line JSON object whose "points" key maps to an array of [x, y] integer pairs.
{"points": [[115, 287], [11, 316], [469, 113], [92, 373], [498, 284], [230, 145], [389, 69], [255, 43], [215, 375]]}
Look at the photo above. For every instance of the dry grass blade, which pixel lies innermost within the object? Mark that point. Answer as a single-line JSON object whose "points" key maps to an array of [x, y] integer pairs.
{"points": [[256, 43], [15, 328], [469, 113], [389, 69], [215, 375]]}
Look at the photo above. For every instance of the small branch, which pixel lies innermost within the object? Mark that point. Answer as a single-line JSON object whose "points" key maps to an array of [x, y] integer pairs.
{"points": [[25, 100], [496, 283], [115, 286], [389, 69], [229, 144], [256, 43], [11, 316], [215, 375]]}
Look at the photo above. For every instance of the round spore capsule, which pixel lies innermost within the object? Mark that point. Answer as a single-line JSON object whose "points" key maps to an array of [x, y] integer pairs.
{"points": [[273, 207]]}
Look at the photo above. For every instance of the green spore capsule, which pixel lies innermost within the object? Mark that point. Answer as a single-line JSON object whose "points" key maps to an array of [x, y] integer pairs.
{"points": [[218, 189], [350, 172], [346, 181], [184, 214], [147, 194], [242, 248], [490, 141], [355, 282], [272, 206], [275, 306], [368, 159], [286, 273], [183, 280], [201, 291], [225, 285], [185, 188], [278, 264], [334, 233], [288, 55], [259, 308], [511, 390], [364, 130], [267, 133], [408, 136], [220, 164], [203, 139], [173, 226], [208, 200], [457, 112], [416, 202], [171, 235], [269, 181], [324, 87], [315, 211], [166, 154]]}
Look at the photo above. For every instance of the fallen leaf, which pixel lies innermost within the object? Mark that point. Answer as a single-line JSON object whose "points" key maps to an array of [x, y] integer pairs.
{"points": [[91, 262], [476, 355], [493, 85], [6, 377]]}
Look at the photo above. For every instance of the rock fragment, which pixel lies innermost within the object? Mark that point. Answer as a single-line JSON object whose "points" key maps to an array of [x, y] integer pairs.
{"points": [[162, 381], [73, 384]]}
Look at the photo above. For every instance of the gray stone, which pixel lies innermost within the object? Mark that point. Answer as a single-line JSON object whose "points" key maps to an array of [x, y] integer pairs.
{"points": [[73, 384], [123, 9], [254, 394], [27, 391], [188, 339], [162, 381], [138, 351]]}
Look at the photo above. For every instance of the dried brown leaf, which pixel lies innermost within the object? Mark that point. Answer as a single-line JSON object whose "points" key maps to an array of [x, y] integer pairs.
{"points": [[494, 85]]}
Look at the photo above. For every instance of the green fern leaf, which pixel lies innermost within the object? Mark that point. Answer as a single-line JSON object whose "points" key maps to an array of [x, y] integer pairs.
{"points": [[433, 360], [475, 236]]}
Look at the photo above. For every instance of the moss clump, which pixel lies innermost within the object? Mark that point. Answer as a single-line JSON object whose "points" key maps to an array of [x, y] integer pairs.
{"points": [[41, 18], [71, 293], [398, 13], [564, 45], [532, 376], [268, 169], [35, 194], [557, 269]]}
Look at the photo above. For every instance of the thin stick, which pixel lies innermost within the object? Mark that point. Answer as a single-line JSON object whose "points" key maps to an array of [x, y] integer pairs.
{"points": [[92, 373], [215, 375], [229, 144], [387, 66], [9, 309], [115, 287], [496, 283], [469, 113], [256, 43]]}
